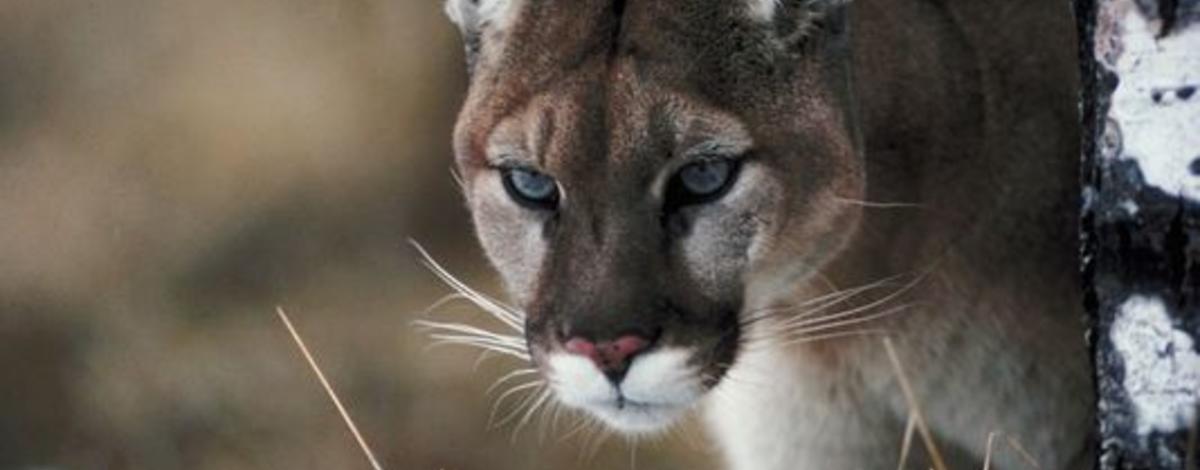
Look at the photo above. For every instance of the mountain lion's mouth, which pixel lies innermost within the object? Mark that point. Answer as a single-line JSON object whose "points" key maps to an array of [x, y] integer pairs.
{"points": [[638, 417], [659, 388]]}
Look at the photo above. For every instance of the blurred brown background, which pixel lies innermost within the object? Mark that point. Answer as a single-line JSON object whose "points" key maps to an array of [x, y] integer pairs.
{"points": [[172, 170]]}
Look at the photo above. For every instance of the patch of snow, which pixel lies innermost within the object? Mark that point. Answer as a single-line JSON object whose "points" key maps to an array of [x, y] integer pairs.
{"points": [[1156, 105], [1162, 368]]}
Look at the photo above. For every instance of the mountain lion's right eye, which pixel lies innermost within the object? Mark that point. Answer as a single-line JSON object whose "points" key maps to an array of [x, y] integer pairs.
{"points": [[531, 188]]}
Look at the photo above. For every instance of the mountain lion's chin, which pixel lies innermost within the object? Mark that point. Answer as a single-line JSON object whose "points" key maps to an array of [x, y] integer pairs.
{"points": [[638, 418], [657, 390]]}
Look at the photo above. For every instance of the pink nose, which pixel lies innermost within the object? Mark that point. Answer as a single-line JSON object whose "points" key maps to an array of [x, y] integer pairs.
{"points": [[610, 356]]}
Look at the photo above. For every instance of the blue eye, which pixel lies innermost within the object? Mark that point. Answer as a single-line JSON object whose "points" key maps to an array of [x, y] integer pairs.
{"points": [[705, 178], [531, 188], [701, 182]]}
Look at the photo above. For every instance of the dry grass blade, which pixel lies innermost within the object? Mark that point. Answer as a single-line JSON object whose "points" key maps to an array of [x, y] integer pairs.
{"points": [[910, 397], [1025, 455], [906, 443], [362, 443], [987, 452]]}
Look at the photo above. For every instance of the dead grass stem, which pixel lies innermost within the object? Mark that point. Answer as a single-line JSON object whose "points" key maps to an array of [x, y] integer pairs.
{"points": [[913, 406], [362, 443]]}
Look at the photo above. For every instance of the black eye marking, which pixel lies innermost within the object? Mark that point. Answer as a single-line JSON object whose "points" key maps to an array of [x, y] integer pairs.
{"points": [[701, 182], [529, 188]]}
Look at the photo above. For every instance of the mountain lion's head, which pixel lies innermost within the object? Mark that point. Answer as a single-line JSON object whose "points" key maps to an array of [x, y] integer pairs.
{"points": [[647, 174]]}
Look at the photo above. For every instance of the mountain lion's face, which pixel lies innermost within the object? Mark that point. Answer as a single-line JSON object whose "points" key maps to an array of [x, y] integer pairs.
{"points": [[645, 175]]}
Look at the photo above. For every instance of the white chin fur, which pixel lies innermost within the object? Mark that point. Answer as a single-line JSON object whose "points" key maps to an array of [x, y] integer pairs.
{"points": [[657, 390]]}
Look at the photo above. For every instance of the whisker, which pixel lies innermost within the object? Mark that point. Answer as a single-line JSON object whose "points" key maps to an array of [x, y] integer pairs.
{"points": [[836, 335], [538, 396], [633, 443], [439, 303], [556, 417], [438, 327], [509, 376], [483, 343], [598, 443], [831, 322], [802, 320], [484, 355], [480, 340], [592, 431], [831, 325], [584, 421], [509, 316], [459, 183], [815, 305], [541, 400], [825, 300], [506, 352], [878, 205], [545, 419], [504, 396]]}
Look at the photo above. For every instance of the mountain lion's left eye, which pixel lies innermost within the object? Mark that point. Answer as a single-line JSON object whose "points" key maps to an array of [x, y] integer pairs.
{"points": [[531, 188], [701, 182]]}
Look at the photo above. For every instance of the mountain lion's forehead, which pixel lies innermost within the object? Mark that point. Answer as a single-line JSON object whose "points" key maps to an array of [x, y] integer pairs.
{"points": [[624, 75], [559, 36], [588, 127]]}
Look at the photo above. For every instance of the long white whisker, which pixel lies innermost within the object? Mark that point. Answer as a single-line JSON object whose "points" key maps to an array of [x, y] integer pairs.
{"points": [[438, 327], [508, 393], [541, 400], [505, 314], [813, 305], [802, 320], [508, 352], [801, 325], [876, 204], [475, 342], [545, 417], [509, 376], [847, 322], [584, 421], [479, 341], [601, 438], [443, 301], [527, 400], [555, 417], [821, 302], [835, 335]]}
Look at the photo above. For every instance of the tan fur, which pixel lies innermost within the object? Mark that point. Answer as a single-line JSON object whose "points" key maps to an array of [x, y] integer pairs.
{"points": [[961, 111]]}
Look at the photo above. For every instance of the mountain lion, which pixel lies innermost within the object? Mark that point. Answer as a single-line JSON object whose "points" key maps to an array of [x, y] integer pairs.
{"points": [[725, 205]]}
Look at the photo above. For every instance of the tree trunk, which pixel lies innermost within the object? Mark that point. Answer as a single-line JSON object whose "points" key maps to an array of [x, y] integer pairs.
{"points": [[1141, 226]]}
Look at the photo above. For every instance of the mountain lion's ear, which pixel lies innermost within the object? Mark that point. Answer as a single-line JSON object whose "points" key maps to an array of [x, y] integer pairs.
{"points": [[473, 17], [796, 20]]}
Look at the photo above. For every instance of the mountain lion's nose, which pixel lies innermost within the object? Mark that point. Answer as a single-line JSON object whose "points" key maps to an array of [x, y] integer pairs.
{"points": [[612, 357]]}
